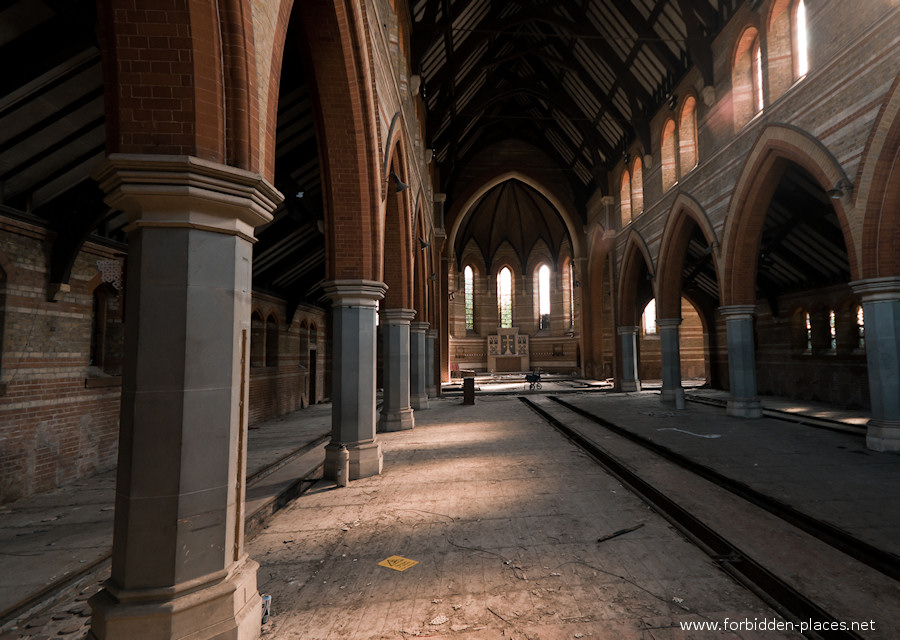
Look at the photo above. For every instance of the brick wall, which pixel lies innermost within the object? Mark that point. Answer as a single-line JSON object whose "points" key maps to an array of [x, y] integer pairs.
{"points": [[282, 384], [58, 415]]}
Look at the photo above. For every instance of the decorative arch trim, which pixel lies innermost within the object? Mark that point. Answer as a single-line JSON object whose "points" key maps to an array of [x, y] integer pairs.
{"points": [[463, 206], [636, 250]]}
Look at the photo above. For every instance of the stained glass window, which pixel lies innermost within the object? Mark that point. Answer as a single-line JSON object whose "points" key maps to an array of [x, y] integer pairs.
{"points": [[504, 297], [469, 278]]}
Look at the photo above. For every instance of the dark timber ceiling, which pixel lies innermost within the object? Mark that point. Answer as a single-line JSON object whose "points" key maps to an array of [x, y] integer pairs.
{"points": [[578, 78], [802, 245]]}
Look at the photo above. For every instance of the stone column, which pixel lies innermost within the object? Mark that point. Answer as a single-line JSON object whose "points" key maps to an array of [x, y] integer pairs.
{"points": [[431, 337], [417, 365], [353, 309], [881, 314], [671, 361], [396, 412], [628, 337], [744, 402], [179, 569]]}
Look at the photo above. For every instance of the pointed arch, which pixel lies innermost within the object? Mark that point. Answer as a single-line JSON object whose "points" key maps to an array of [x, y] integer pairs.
{"points": [[878, 189], [776, 146], [397, 249], [467, 200], [685, 213], [636, 261], [336, 48]]}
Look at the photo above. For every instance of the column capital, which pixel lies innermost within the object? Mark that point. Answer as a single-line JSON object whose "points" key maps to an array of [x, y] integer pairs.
{"points": [[668, 323], [433, 334], [419, 327], [624, 331], [186, 192], [738, 311], [397, 316], [440, 197], [877, 289], [608, 201], [355, 293]]}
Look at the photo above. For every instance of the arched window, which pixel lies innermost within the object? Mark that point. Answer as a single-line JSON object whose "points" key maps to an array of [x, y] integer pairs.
{"points": [[667, 149], [860, 328], [257, 340], [746, 78], [637, 188], [469, 284], [648, 318], [625, 198], [106, 331], [687, 136], [505, 297], [271, 341], [801, 41], [787, 57], [757, 77], [544, 297], [832, 331], [808, 325]]}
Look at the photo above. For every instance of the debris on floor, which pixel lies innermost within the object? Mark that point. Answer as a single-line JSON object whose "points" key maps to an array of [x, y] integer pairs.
{"points": [[398, 563]]}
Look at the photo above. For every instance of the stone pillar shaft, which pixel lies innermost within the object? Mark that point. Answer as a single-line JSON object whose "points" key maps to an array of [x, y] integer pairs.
{"points": [[431, 337], [354, 305], [881, 314], [396, 412], [417, 365], [178, 565], [743, 402], [671, 360], [628, 337]]}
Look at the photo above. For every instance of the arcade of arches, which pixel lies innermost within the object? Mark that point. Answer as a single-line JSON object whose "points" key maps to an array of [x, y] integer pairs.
{"points": [[216, 212]]}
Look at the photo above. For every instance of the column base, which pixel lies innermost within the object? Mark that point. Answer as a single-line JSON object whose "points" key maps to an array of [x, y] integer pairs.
{"points": [[230, 609], [744, 408], [396, 420], [631, 385], [883, 435], [366, 459], [673, 396], [419, 402], [431, 392]]}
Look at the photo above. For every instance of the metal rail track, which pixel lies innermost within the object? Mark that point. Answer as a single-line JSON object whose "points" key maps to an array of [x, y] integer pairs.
{"points": [[782, 597], [878, 559]]}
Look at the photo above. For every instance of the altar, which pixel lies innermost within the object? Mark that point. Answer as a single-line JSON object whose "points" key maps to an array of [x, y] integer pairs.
{"points": [[508, 351]]}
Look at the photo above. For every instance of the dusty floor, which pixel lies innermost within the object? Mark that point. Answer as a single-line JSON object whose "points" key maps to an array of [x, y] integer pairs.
{"points": [[502, 515]]}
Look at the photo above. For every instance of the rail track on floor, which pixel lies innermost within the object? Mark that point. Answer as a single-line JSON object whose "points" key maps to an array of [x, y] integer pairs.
{"points": [[787, 600]]}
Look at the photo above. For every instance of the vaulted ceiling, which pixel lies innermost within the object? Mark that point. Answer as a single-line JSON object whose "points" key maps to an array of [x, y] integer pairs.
{"points": [[579, 79]]}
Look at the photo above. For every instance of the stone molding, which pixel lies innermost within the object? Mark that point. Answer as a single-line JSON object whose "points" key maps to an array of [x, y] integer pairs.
{"points": [[397, 316], [624, 331], [878, 289], [186, 192], [419, 327], [355, 293], [738, 312], [668, 323]]}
